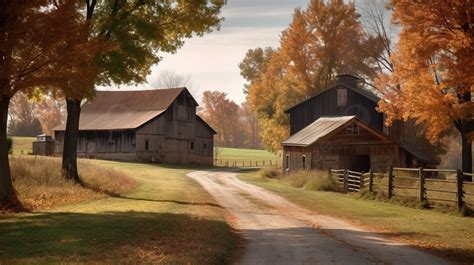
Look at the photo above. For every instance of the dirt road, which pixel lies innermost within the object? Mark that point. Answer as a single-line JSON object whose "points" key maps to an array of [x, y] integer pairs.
{"points": [[280, 232]]}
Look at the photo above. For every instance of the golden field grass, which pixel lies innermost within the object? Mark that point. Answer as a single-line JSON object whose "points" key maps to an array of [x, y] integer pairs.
{"points": [[167, 218], [40, 186]]}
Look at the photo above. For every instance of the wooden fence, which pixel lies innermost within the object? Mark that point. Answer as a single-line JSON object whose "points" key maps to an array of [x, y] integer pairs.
{"points": [[425, 185], [245, 163]]}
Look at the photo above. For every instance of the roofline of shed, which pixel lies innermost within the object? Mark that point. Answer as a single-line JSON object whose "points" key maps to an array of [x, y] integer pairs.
{"points": [[366, 126]]}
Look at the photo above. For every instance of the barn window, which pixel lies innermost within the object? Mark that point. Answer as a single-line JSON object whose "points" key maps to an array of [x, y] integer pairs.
{"points": [[205, 147], [304, 161], [287, 162], [352, 129], [191, 145], [342, 97], [147, 145]]}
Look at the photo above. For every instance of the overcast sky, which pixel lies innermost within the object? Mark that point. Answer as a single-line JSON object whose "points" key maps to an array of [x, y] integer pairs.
{"points": [[212, 61]]}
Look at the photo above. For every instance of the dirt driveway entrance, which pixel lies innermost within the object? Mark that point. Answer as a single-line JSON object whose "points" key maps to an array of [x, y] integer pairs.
{"points": [[280, 232]]}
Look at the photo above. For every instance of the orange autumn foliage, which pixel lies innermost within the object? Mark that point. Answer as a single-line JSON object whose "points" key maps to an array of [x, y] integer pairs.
{"points": [[322, 41], [434, 65]]}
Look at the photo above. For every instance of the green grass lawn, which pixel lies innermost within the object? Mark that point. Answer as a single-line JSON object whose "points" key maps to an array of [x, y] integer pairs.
{"points": [[448, 235], [239, 155], [22, 145], [168, 219]]}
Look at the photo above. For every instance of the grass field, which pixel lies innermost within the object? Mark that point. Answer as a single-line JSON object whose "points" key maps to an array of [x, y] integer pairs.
{"points": [[239, 155], [448, 235], [22, 145], [169, 218]]}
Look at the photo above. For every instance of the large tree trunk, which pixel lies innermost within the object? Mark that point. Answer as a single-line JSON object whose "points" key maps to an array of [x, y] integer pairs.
{"points": [[69, 165], [8, 198], [466, 151]]}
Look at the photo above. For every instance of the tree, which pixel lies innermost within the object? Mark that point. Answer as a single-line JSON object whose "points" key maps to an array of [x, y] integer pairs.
{"points": [[432, 82], [251, 130], [322, 41], [30, 43], [171, 79], [253, 63], [223, 115], [23, 121], [51, 112], [380, 33], [126, 37]]}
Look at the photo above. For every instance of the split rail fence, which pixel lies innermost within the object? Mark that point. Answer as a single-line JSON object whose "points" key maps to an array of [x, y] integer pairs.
{"points": [[425, 185], [245, 163]]}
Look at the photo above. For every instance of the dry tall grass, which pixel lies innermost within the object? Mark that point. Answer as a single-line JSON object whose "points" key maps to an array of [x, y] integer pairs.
{"points": [[310, 180], [39, 183]]}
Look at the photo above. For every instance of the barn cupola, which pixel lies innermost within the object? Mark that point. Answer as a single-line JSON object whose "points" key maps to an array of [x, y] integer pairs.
{"points": [[350, 80]]}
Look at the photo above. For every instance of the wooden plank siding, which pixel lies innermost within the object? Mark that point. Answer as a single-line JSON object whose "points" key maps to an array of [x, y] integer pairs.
{"points": [[325, 105], [175, 135], [340, 150]]}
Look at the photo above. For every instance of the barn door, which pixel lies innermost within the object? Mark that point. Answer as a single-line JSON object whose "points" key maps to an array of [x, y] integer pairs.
{"points": [[90, 148], [183, 151]]}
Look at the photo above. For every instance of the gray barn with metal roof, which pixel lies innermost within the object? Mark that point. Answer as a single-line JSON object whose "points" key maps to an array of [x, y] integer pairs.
{"points": [[158, 125]]}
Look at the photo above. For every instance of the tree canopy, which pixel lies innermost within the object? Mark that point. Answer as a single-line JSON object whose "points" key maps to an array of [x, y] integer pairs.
{"points": [[433, 79], [322, 41]]}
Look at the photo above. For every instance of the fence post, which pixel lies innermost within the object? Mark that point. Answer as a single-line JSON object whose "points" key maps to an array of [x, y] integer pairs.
{"points": [[361, 181], [460, 192], [390, 182], [271, 163], [421, 176], [371, 180], [345, 181], [329, 173]]}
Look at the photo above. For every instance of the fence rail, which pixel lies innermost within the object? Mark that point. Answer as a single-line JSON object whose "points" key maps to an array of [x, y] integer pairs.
{"points": [[425, 182], [245, 163]]}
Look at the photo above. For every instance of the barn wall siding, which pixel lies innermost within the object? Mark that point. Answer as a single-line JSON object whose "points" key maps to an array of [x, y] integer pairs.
{"points": [[322, 156], [175, 136], [325, 105]]}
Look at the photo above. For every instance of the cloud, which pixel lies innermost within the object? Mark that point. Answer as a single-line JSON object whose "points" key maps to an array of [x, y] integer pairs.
{"points": [[212, 60]]}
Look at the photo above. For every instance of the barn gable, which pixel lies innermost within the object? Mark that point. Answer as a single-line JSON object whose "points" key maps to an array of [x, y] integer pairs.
{"points": [[344, 98]]}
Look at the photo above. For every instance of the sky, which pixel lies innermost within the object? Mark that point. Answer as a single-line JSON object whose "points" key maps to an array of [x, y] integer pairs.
{"points": [[212, 61]]}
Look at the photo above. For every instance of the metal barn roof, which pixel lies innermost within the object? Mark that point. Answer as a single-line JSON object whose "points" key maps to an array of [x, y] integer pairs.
{"points": [[116, 110], [317, 130]]}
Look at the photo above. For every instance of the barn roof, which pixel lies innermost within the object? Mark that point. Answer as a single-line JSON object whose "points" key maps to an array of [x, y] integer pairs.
{"points": [[317, 130], [345, 81], [117, 110], [419, 154], [326, 125], [200, 119]]}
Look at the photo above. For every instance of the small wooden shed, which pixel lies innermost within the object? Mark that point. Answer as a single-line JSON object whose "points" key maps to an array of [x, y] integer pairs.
{"points": [[43, 145]]}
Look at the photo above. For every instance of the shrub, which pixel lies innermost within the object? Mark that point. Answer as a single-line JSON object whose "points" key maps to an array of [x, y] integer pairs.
{"points": [[270, 172], [312, 180], [10, 144]]}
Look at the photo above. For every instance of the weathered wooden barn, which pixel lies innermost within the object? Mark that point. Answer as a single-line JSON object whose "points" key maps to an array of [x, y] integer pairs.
{"points": [[149, 125], [340, 127]]}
